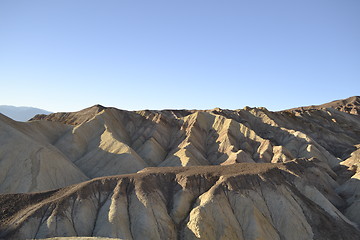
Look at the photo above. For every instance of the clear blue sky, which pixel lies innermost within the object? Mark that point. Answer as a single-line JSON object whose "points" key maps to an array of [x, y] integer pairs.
{"points": [[65, 55]]}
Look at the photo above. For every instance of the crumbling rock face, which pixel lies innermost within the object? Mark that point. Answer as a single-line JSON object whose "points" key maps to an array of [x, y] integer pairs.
{"points": [[239, 201]]}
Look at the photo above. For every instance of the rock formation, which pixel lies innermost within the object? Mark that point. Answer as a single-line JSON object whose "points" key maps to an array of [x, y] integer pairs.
{"points": [[28, 160], [349, 105], [210, 174], [240, 201]]}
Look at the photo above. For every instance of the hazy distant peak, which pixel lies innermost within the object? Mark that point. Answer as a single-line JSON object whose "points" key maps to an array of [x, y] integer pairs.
{"points": [[21, 113]]}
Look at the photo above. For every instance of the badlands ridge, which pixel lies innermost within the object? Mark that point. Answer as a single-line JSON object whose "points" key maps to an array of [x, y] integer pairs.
{"points": [[183, 174]]}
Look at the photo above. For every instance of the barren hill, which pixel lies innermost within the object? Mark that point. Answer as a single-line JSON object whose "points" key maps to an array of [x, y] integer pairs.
{"points": [[350, 105], [28, 160], [241, 201], [237, 174]]}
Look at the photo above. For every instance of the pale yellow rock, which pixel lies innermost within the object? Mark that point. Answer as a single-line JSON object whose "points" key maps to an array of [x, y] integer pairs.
{"points": [[213, 218], [252, 213], [286, 214], [237, 157], [281, 154]]}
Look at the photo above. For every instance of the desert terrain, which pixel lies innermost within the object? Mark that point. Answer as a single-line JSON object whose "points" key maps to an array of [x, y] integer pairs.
{"points": [[251, 173]]}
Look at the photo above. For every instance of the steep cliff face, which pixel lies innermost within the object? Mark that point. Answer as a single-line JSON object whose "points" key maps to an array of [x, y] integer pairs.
{"points": [[240, 201]]}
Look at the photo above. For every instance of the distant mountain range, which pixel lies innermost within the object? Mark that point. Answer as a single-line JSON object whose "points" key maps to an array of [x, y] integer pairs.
{"points": [[21, 113]]}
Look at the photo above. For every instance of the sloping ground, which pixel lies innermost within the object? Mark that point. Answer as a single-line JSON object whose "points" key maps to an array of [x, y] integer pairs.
{"points": [[116, 142], [103, 141], [349, 105], [28, 161], [61, 149], [72, 118], [240, 201], [350, 189]]}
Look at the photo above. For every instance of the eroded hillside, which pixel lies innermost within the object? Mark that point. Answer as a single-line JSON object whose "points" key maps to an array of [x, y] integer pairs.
{"points": [[241, 201], [298, 174]]}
